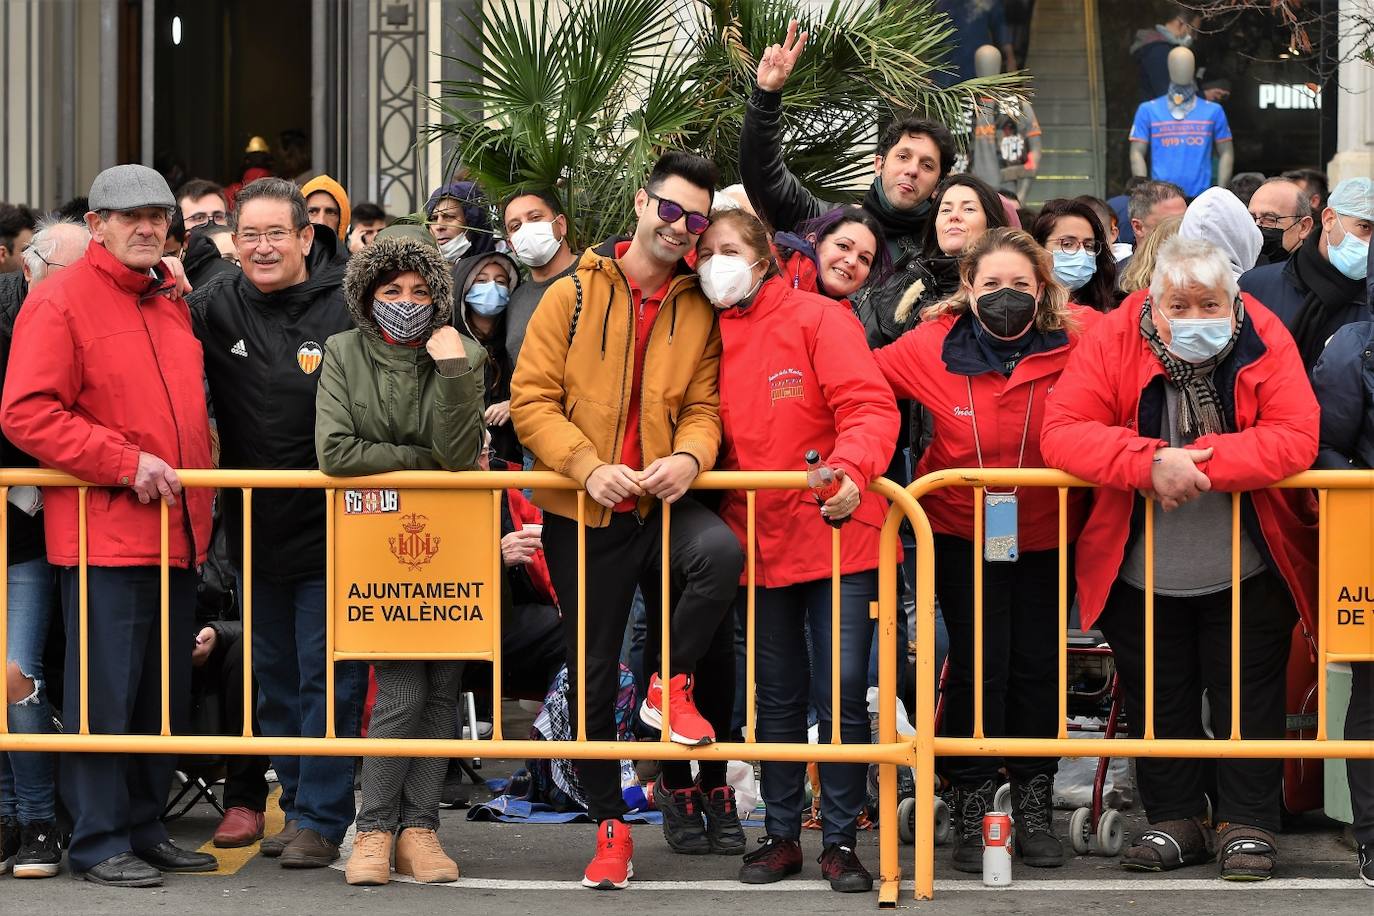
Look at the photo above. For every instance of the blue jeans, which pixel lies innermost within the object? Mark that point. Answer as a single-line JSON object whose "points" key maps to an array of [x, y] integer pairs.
{"points": [[289, 661], [26, 780], [785, 689]]}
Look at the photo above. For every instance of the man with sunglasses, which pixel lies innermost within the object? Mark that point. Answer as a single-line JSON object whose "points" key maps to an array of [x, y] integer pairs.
{"points": [[263, 330], [617, 388]]}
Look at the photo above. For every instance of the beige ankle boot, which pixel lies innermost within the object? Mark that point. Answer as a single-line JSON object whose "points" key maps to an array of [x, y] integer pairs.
{"points": [[370, 862], [419, 855]]}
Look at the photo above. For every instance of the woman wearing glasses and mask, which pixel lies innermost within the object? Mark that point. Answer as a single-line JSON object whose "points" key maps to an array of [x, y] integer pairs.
{"points": [[1083, 262], [401, 391], [982, 363]]}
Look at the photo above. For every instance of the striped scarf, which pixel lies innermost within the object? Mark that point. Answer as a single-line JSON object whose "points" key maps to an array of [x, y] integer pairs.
{"points": [[1199, 405]]}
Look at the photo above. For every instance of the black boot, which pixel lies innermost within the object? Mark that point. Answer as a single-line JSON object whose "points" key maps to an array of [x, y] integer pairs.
{"points": [[970, 804], [1033, 804]]}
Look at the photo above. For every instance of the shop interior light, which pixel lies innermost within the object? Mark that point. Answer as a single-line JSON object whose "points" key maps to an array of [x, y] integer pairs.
{"points": [[176, 30]]}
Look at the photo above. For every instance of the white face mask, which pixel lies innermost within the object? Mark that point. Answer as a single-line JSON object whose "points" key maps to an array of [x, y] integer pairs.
{"points": [[727, 280], [455, 247], [534, 244]]}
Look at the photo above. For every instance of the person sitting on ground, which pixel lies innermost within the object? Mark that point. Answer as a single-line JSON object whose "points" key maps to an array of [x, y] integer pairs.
{"points": [[1188, 393]]}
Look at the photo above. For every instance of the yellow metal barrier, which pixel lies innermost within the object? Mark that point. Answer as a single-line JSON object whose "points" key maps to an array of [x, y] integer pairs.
{"points": [[927, 746], [888, 752]]}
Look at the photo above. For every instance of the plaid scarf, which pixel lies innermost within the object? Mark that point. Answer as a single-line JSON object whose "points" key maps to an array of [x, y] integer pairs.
{"points": [[1199, 405]]}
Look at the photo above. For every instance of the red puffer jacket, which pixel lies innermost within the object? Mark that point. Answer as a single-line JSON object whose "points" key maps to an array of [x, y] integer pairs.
{"points": [[1102, 422], [104, 366], [796, 374], [938, 363]]}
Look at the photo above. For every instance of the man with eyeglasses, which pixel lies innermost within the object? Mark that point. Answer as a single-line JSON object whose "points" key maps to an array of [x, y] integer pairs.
{"points": [[105, 382], [1321, 287], [617, 388], [1283, 213], [202, 203], [263, 330]]}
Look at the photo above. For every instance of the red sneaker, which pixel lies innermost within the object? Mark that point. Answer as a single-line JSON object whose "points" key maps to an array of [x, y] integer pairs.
{"points": [[611, 868], [687, 725]]}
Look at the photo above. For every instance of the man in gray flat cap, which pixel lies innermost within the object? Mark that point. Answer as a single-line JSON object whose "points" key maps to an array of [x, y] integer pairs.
{"points": [[105, 383]]}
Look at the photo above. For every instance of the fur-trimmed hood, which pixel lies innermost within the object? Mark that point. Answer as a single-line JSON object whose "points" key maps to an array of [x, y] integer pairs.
{"points": [[384, 256]]}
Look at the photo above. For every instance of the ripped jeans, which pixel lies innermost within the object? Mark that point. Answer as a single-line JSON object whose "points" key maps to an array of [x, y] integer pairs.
{"points": [[26, 779]]}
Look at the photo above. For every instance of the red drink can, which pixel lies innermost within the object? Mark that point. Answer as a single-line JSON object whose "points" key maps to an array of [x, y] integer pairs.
{"points": [[996, 829], [996, 849]]}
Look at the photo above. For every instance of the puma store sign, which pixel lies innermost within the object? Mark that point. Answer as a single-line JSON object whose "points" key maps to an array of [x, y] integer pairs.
{"points": [[1288, 96]]}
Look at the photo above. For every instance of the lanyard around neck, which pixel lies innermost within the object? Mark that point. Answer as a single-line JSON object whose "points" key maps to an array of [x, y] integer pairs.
{"points": [[1025, 429]]}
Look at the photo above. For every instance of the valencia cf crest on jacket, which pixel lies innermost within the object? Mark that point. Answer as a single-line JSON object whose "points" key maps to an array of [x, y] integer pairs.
{"points": [[309, 355]]}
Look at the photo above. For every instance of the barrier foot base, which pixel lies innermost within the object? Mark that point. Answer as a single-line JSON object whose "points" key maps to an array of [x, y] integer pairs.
{"points": [[888, 892]]}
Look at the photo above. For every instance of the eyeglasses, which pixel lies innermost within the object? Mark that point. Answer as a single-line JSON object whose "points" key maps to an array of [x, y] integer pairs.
{"points": [[1068, 244], [670, 211], [51, 265], [218, 217], [250, 239], [1271, 220]]}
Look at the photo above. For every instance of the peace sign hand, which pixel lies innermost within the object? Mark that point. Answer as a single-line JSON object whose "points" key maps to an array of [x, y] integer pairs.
{"points": [[778, 61]]}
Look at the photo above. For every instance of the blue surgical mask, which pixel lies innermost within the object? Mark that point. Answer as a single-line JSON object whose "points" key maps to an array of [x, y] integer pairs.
{"points": [[488, 299], [1196, 340], [1351, 256], [1074, 268]]}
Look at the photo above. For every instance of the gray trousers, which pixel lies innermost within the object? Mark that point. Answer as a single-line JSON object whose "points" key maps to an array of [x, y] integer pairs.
{"points": [[414, 700]]}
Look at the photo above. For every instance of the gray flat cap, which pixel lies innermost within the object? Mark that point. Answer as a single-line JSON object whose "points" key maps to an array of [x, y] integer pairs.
{"points": [[128, 187]]}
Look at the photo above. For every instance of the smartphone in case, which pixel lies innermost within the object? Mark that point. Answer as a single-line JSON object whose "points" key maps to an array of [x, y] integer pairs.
{"points": [[999, 528]]}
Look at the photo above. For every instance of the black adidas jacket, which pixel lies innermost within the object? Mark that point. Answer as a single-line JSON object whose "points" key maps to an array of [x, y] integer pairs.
{"points": [[25, 532], [262, 361]]}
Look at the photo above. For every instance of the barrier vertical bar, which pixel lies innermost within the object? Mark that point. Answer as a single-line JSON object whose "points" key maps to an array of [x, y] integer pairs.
{"points": [[497, 570], [82, 610], [581, 615], [889, 865], [1149, 619], [835, 625], [665, 663], [246, 603], [5, 606], [1323, 599], [750, 708], [924, 779], [329, 573], [1063, 612], [164, 596], [978, 494], [1235, 616]]}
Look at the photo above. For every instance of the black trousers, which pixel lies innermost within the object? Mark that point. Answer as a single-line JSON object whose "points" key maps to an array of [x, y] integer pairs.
{"points": [[117, 799], [220, 682], [1359, 726], [1193, 654], [1020, 655], [705, 560]]}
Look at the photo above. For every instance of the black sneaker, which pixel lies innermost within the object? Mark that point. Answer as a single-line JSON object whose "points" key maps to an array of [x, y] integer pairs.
{"points": [[723, 828], [842, 868], [40, 855], [1367, 863], [11, 837], [684, 819], [774, 860]]}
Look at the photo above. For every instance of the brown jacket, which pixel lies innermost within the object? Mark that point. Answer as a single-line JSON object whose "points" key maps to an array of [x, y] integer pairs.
{"points": [[569, 400]]}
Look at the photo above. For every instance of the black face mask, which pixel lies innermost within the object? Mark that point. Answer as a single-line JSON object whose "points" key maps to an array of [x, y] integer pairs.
{"points": [[1006, 312], [1272, 251]]}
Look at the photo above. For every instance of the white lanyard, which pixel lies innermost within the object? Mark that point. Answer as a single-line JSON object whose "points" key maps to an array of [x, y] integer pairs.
{"points": [[1025, 430]]}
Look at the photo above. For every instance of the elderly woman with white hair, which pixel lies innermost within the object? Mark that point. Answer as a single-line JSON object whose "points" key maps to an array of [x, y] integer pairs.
{"points": [[1188, 393]]}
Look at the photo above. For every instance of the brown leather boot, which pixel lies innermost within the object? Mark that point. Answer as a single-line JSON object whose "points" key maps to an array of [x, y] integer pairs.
{"points": [[419, 855], [370, 863], [272, 846]]}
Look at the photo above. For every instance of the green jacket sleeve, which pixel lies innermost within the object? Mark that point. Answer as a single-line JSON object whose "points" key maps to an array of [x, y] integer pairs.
{"points": [[458, 412], [341, 452]]}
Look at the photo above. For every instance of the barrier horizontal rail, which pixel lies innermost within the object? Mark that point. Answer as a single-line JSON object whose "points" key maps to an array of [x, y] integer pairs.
{"points": [[888, 752], [1232, 746]]}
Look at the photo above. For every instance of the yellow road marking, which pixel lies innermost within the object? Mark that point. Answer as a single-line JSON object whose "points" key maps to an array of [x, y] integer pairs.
{"points": [[231, 860]]}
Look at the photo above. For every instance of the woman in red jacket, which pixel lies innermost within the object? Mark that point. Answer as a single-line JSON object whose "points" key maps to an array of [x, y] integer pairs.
{"points": [[835, 254], [982, 364], [796, 374], [1187, 393]]}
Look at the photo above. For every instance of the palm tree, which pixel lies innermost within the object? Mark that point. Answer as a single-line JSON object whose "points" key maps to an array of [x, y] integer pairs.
{"points": [[584, 105]]}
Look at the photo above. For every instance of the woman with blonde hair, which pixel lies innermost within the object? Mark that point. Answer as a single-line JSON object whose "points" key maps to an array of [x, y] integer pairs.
{"points": [[982, 363], [1137, 273]]}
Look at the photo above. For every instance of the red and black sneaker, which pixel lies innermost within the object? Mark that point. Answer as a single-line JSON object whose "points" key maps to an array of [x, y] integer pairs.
{"points": [[842, 868], [684, 823], [723, 829], [774, 860], [612, 866]]}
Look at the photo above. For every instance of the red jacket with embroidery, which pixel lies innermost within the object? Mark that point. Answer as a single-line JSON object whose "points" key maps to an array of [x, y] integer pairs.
{"points": [[104, 366], [796, 374], [938, 363], [1102, 422]]}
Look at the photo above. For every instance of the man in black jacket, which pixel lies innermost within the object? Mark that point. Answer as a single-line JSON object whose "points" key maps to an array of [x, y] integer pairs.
{"points": [[914, 155], [263, 332]]}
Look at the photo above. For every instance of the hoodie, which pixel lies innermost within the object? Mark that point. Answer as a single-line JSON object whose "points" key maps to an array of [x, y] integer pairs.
{"points": [[504, 442], [203, 261], [475, 215], [388, 407], [1217, 216], [335, 190]]}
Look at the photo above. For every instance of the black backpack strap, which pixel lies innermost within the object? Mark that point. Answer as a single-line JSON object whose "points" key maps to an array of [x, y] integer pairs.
{"points": [[577, 308]]}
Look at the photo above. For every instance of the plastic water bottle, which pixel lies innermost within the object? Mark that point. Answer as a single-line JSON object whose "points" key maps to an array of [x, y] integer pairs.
{"points": [[820, 477]]}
